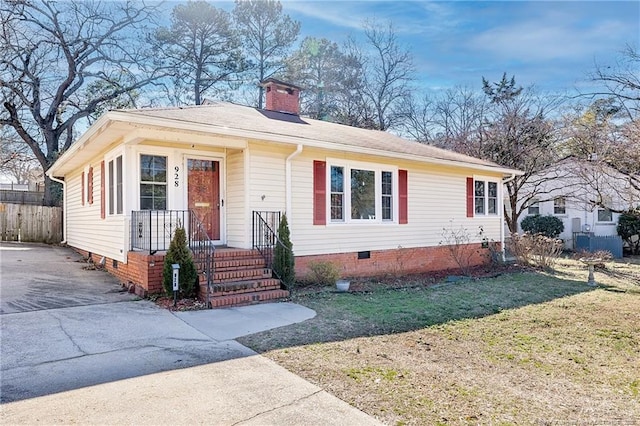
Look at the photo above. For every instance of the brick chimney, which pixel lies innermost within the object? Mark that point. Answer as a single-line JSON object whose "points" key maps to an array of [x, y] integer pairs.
{"points": [[281, 96]]}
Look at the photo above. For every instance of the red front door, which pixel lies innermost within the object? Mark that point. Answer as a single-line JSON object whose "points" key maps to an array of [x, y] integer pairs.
{"points": [[203, 187]]}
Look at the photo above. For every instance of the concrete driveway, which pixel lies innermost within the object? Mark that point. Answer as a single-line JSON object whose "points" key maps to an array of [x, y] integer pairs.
{"points": [[87, 359], [38, 276]]}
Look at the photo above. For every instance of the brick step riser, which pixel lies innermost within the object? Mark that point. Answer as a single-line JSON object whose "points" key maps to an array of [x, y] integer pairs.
{"points": [[242, 275], [239, 265], [252, 284], [247, 298], [248, 254], [245, 291]]}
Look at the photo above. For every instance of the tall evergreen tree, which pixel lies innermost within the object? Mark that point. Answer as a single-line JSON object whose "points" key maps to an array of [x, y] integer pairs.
{"points": [[200, 49], [267, 35]]}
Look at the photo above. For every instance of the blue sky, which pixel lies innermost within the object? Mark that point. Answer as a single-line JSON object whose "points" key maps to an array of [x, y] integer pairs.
{"points": [[552, 44]]}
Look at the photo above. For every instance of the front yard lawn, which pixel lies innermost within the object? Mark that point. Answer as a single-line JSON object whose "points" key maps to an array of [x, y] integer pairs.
{"points": [[520, 348]]}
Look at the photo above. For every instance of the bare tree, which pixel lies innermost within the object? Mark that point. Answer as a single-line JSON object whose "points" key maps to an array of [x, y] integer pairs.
{"points": [[16, 159], [51, 51], [388, 73], [621, 81], [452, 119], [200, 49], [518, 135], [607, 154], [267, 35]]}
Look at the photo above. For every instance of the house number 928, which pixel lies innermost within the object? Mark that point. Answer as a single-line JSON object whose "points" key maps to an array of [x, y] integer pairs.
{"points": [[176, 176]]}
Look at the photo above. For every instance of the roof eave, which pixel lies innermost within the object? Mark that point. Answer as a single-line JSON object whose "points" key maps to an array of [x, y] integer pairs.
{"points": [[111, 117]]}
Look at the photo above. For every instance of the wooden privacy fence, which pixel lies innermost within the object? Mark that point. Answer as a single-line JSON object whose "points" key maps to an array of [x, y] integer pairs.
{"points": [[19, 222]]}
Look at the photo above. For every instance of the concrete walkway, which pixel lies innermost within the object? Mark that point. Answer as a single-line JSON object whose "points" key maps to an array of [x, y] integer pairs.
{"points": [[130, 362]]}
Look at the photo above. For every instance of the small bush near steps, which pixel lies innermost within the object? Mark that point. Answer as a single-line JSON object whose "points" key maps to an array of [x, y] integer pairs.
{"points": [[179, 253], [323, 273]]}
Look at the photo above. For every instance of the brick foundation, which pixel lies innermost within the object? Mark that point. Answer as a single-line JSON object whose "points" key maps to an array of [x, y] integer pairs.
{"points": [[400, 261], [143, 271]]}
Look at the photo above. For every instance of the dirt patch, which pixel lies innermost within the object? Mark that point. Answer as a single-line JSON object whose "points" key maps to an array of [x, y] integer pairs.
{"points": [[180, 304]]}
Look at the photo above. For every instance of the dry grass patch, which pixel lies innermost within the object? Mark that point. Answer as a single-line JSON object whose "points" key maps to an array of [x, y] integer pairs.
{"points": [[521, 348]]}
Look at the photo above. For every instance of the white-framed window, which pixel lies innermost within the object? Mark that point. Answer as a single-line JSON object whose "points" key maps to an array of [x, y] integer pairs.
{"points": [[362, 192], [114, 199], [534, 208], [605, 215], [153, 182], [485, 197], [559, 206], [336, 201]]}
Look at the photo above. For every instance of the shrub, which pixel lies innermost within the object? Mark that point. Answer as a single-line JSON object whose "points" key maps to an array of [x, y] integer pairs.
{"points": [[179, 253], [604, 255], [283, 260], [323, 273], [549, 226], [629, 229], [457, 243], [536, 250]]}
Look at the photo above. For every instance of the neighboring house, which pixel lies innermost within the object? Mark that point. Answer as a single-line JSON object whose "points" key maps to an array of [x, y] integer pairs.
{"points": [[582, 193], [369, 201]]}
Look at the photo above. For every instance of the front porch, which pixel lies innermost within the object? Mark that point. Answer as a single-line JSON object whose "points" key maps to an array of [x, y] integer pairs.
{"points": [[227, 276]]}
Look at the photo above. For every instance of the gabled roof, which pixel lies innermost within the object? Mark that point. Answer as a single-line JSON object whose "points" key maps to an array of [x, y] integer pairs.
{"points": [[229, 119]]}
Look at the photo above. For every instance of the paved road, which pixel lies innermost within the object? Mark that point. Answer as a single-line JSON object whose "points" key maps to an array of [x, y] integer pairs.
{"points": [[95, 361]]}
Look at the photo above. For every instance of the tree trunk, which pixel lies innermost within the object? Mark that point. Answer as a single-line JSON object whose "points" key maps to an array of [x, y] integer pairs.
{"points": [[52, 192]]}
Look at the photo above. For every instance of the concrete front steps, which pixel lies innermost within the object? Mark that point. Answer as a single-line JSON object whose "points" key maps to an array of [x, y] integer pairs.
{"points": [[241, 278]]}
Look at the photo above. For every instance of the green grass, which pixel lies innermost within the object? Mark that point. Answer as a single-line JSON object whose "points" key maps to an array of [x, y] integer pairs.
{"points": [[521, 348]]}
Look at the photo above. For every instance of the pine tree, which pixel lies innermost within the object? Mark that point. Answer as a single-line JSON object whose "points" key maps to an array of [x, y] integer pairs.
{"points": [[283, 261], [179, 253]]}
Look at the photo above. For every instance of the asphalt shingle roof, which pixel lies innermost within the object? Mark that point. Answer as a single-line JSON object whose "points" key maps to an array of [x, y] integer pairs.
{"points": [[232, 116]]}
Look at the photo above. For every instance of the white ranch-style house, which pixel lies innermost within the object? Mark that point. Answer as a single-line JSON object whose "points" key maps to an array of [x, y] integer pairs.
{"points": [[371, 202]]}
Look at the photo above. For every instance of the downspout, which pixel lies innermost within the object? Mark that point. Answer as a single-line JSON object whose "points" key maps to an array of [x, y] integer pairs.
{"points": [[287, 172], [64, 208], [502, 224]]}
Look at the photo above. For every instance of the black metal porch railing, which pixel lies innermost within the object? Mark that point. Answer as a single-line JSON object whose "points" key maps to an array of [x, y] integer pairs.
{"points": [[202, 248], [153, 230], [265, 236]]}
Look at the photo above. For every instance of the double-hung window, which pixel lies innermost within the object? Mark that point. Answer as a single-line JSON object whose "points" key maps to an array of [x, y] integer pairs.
{"points": [[559, 206], [337, 193], [387, 195], [153, 182], [485, 197], [534, 208], [361, 193], [115, 185]]}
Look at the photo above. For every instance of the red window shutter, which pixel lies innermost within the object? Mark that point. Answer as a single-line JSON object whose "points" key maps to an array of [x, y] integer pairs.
{"points": [[102, 192], [403, 198], [90, 186], [469, 197], [319, 192], [82, 189]]}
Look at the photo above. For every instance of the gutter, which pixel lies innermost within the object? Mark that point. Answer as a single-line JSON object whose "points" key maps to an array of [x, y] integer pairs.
{"points": [[287, 173], [64, 207], [502, 224]]}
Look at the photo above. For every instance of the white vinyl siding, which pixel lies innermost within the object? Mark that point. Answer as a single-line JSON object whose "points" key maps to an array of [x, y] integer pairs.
{"points": [[267, 178], [434, 200], [89, 232], [235, 204]]}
